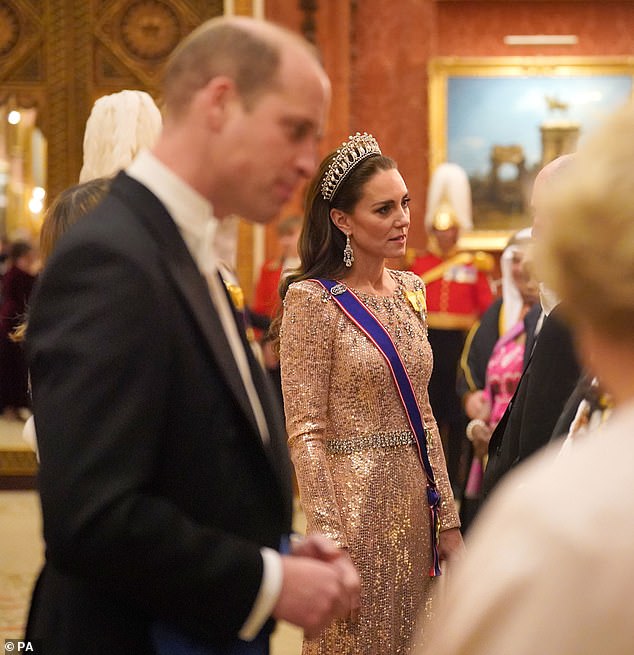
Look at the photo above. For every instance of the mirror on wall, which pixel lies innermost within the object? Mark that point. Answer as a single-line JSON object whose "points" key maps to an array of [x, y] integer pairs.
{"points": [[22, 172]]}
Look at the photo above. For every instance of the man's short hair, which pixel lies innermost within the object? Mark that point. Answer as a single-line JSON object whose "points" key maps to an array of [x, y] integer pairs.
{"points": [[249, 54]]}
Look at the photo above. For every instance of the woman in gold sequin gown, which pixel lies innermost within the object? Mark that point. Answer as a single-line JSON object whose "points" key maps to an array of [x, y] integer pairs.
{"points": [[360, 478]]}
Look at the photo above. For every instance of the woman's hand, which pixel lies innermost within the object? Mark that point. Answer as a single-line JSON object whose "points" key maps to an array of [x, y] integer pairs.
{"points": [[477, 405], [479, 434], [450, 545]]}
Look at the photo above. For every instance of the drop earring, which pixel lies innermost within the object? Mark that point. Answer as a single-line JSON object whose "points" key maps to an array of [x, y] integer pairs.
{"points": [[348, 255]]}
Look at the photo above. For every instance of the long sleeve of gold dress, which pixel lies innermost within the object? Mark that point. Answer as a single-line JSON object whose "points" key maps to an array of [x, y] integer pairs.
{"points": [[360, 479]]}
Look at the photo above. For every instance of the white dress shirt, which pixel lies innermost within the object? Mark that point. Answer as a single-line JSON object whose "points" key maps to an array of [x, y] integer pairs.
{"points": [[193, 215]]}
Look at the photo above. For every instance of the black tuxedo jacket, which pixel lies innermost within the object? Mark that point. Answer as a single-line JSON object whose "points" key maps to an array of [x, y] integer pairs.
{"points": [[546, 383], [156, 488]]}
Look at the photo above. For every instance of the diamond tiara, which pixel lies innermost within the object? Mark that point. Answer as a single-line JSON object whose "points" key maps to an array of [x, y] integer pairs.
{"points": [[356, 149]]}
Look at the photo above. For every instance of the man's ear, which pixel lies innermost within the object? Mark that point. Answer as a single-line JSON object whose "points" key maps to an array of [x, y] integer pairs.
{"points": [[340, 219], [219, 98]]}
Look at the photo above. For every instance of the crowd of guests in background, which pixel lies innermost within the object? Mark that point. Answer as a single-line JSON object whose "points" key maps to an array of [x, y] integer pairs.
{"points": [[20, 265], [496, 352], [550, 562]]}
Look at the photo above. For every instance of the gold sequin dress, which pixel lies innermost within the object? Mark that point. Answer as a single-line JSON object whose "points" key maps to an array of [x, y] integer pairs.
{"points": [[360, 479]]}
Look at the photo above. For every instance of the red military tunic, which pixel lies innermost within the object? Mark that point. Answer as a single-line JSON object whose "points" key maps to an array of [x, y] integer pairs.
{"points": [[266, 299], [457, 290]]}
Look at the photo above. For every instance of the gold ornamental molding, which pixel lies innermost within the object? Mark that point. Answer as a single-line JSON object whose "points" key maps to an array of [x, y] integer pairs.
{"points": [[60, 56], [150, 30], [141, 33], [9, 29], [21, 33], [251, 238]]}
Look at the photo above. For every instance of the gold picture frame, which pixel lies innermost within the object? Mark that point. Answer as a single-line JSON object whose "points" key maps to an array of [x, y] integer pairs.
{"points": [[482, 113]]}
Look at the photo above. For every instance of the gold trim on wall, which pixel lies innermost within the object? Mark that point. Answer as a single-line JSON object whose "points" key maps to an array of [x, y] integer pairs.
{"points": [[442, 68], [251, 237]]}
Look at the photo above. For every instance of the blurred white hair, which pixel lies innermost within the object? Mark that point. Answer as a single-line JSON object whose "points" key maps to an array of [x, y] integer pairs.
{"points": [[450, 184], [119, 125]]}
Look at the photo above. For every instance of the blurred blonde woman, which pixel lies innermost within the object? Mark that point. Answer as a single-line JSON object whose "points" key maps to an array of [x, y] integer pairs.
{"points": [[550, 566]]}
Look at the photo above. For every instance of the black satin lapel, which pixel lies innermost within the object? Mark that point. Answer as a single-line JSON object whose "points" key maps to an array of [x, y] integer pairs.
{"points": [[194, 289], [188, 280], [530, 323]]}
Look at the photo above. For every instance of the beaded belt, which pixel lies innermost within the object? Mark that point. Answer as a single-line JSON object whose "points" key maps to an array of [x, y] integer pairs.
{"points": [[391, 439]]}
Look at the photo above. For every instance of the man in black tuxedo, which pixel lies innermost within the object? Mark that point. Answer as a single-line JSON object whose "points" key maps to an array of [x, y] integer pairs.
{"points": [[164, 478], [549, 378]]}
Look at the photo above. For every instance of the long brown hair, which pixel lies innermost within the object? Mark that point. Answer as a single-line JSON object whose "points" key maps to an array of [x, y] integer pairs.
{"points": [[67, 208], [321, 243]]}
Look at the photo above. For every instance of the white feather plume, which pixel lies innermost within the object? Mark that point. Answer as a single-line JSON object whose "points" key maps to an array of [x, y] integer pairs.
{"points": [[449, 183], [119, 125]]}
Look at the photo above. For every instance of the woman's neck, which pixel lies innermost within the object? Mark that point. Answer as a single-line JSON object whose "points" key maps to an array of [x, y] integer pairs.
{"points": [[370, 277]]}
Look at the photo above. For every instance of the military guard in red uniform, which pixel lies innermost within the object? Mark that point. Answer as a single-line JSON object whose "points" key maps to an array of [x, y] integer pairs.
{"points": [[266, 299], [458, 292]]}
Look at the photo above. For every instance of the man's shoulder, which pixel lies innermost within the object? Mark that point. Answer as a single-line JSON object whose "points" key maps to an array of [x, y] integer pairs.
{"points": [[554, 346], [110, 223], [110, 232], [555, 326]]}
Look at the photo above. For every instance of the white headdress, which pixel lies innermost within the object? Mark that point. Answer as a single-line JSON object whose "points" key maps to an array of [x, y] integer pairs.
{"points": [[119, 125], [511, 297], [449, 191]]}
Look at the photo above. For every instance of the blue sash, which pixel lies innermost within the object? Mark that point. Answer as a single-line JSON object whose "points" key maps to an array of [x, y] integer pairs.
{"points": [[365, 320]]}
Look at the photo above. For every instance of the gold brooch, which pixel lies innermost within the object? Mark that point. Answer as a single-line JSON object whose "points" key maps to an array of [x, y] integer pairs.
{"points": [[417, 301], [236, 294]]}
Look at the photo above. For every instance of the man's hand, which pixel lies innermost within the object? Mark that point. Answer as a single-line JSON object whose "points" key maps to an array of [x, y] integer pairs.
{"points": [[320, 584]]}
